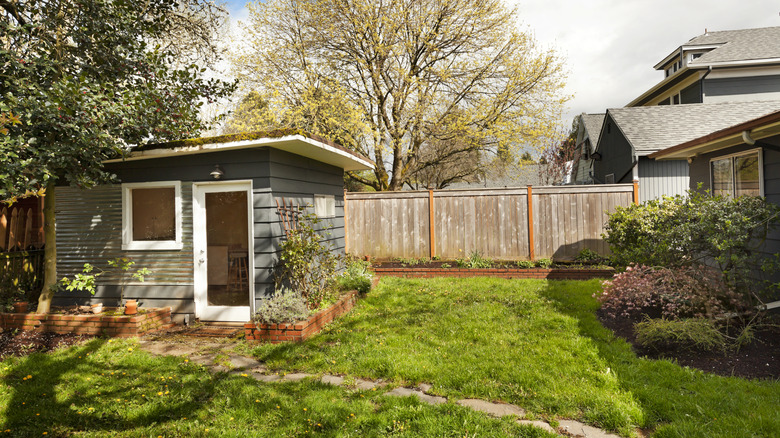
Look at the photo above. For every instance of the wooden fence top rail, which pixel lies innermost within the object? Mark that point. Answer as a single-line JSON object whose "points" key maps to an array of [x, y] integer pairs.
{"points": [[499, 191]]}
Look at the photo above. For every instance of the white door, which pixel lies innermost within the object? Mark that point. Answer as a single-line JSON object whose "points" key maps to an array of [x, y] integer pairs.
{"points": [[223, 248]]}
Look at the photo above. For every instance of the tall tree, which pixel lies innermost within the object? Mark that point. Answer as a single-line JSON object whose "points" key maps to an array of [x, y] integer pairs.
{"points": [[398, 79], [87, 78]]}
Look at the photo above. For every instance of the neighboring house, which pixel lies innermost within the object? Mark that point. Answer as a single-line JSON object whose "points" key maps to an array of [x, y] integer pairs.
{"points": [[630, 135], [588, 132], [201, 215], [723, 66], [525, 175], [740, 159]]}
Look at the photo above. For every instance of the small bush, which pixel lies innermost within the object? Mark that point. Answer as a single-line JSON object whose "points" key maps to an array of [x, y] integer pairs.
{"points": [[588, 256], [475, 261], [684, 292], [525, 264], [357, 276], [544, 263], [692, 334], [285, 306]]}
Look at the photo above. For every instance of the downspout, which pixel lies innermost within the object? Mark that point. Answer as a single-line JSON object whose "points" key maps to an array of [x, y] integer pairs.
{"points": [[701, 84]]}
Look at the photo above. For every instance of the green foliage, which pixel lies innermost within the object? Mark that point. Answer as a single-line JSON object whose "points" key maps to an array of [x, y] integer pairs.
{"points": [[590, 257], [475, 261], [357, 276], [544, 263], [682, 231], [84, 83], [525, 264], [285, 306], [412, 261], [86, 280], [692, 334], [308, 262]]}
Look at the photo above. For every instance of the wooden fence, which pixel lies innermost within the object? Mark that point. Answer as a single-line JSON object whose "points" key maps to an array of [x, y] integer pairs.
{"points": [[21, 248], [504, 224]]}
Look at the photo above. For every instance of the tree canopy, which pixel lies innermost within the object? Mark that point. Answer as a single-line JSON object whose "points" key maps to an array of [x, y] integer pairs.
{"points": [[423, 87]]}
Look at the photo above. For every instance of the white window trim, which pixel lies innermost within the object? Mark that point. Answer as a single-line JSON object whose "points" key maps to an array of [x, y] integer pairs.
{"points": [[127, 218], [329, 214], [739, 154]]}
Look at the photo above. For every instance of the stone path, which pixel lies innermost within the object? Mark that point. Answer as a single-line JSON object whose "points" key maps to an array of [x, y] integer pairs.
{"points": [[245, 366]]}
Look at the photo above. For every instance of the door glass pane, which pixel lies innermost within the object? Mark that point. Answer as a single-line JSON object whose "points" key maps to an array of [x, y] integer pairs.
{"points": [[746, 175], [154, 213], [722, 181], [227, 240]]}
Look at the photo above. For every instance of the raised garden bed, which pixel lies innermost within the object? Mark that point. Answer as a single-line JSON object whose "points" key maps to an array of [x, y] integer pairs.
{"points": [[301, 330], [105, 324], [506, 270]]}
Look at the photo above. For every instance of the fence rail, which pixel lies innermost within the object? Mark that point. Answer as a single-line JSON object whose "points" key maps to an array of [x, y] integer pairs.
{"points": [[21, 249], [509, 224]]}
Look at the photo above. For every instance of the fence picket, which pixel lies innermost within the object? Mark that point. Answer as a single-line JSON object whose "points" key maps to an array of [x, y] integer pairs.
{"points": [[3, 229]]}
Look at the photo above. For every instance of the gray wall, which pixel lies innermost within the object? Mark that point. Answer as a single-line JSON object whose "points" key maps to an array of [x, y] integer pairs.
{"points": [[616, 154], [700, 173], [89, 222], [691, 93], [749, 88], [658, 178]]}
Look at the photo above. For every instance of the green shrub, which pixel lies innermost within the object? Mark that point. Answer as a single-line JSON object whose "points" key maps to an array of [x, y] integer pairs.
{"points": [[544, 263], [590, 257], [285, 306], [525, 264], [474, 261], [721, 231], [308, 262], [357, 277], [691, 334]]}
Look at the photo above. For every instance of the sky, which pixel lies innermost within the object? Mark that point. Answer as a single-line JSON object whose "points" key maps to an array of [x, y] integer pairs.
{"points": [[611, 46]]}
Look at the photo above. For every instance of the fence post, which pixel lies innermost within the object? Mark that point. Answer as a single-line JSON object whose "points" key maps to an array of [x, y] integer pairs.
{"points": [[346, 235], [430, 224], [636, 192], [531, 249]]}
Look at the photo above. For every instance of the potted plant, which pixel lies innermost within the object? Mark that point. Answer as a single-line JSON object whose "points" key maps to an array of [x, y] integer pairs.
{"points": [[97, 308], [131, 307], [86, 280]]}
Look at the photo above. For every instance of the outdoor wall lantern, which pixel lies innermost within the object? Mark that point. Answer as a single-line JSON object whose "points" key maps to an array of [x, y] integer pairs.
{"points": [[595, 156], [217, 173]]}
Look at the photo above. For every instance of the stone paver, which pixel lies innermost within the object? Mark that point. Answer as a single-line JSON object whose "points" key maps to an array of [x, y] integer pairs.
{"points": [[243, 362], [294, 377], [424, 387], [161, 348], [581, 429], [332, 380], [407, 392], [267, 378], [366, 385], [539, 424], [494, 409]]}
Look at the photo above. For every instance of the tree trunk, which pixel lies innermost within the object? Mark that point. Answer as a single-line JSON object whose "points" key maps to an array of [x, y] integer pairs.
{"points": [[50, 251]]}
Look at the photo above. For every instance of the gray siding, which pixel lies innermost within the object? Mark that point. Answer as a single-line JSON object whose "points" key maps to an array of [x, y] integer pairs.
{"points": [[700, 174], [742, 89], [691, 94], [617, 155], [89, 222], [658, 178]]}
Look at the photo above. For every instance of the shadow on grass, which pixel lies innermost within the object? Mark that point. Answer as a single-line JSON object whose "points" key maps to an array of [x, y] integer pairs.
{"points": [[46, 396]]}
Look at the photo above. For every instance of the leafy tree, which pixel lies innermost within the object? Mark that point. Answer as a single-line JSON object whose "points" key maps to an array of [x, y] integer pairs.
{"points": [[403, 81], [558, 157], [86, 78]]}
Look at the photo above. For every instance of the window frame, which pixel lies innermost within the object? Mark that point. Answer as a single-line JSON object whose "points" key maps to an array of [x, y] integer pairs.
{"points": [[128, 244], [758, 151], [330, 201]]}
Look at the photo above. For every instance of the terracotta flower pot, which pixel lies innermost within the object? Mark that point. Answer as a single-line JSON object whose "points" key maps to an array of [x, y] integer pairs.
{"points": [[131, 307], [97, 308], [20, 307]]}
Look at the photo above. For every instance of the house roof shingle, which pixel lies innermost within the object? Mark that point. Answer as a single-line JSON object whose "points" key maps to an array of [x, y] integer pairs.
{"points": [[593, 123], [652, 128], [738, 45]]}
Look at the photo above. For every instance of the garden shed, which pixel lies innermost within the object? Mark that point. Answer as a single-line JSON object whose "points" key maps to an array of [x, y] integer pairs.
{"points": [[201, 215]]}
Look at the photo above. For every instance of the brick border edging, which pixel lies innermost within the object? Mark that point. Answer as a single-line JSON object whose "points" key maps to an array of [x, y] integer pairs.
{"points": [[543, 273], [112, 326], [301, 330]]}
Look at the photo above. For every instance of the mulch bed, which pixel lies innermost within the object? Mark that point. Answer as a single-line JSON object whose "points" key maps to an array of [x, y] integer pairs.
{"points": [[24, 342], [437, 264], [758, 360]]}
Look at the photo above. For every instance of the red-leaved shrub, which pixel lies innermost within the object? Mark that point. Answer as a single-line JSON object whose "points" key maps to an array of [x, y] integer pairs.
{"points": [[681, 292]]}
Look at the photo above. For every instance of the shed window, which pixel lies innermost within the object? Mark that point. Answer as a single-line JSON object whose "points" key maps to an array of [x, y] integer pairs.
{"points": [[737, 175], [151, 216], [324, 205]]}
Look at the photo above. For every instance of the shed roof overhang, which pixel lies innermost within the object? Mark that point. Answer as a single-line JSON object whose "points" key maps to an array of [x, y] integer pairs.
{"points": [[756, 129], [299, 144]]}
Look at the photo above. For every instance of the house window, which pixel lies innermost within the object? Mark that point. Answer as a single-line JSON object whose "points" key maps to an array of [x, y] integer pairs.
{"points": [[609, 179], [151, 216], [737, 175], [324, 205]]}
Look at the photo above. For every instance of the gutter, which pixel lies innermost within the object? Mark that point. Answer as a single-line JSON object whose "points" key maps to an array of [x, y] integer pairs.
{"points": [[701, 84]]}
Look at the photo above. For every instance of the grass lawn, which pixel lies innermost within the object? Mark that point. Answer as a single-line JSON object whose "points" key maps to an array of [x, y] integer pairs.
{"points": [[534, 343], [110, 388]]}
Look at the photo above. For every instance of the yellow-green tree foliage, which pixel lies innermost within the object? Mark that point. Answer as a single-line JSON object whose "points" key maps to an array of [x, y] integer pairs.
{"points": [[401, 81]]}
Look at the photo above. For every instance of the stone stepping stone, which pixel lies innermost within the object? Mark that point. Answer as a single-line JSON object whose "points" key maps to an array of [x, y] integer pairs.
{"points": [[424, 387], [494, 409], [203, 359], [366, 385], [332, 380], [243, 362], [581, 429], [295, 377], [266, 378], [408, 392], [537, 423], [167, 349]]}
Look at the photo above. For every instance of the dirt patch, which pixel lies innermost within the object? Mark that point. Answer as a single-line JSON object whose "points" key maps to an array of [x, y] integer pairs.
{"points": [[24, 342], [758, 360]]}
